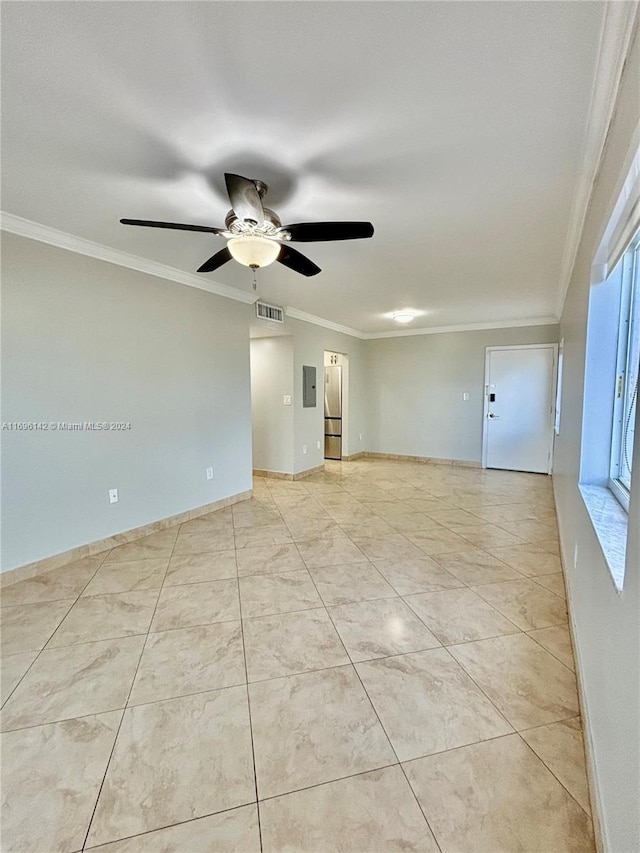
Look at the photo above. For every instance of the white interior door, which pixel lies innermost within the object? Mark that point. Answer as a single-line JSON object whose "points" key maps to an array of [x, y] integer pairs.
{"points": [[519, 401]]}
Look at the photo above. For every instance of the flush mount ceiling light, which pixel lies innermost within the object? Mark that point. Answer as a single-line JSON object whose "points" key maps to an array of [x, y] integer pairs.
{"points": [[253, 251], [404, 316]]}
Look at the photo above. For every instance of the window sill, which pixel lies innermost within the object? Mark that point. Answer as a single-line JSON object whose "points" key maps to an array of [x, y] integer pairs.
{"points": [[610, 523]]}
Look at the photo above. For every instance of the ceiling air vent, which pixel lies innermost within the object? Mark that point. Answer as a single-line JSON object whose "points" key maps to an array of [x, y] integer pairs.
{"points": [[269, 312]]}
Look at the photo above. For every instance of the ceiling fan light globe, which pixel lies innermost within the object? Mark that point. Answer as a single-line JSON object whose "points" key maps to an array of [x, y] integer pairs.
{"points": [[252, 251]]}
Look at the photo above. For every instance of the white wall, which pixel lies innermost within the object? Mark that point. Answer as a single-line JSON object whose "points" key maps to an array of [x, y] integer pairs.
{"points": [[607, 625], [416, 384], [84, 340], [271, 380]]}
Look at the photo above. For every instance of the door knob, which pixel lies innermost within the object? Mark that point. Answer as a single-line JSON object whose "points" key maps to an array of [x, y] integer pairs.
{"points": [[492, 416]]}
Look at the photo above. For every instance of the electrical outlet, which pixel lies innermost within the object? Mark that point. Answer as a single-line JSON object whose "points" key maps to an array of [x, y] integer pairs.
{"points": [[318, 445], [113, 496], [286, 400], [209, 473], [304, 448]]}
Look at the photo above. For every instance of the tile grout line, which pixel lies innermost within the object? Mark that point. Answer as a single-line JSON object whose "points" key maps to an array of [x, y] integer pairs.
{"points": [[484, 693], [535, 579], [376, 714], [328, 782], [456, 662], [98, 567], [516, 730], [458, 642], [535, 640], [393, 749], [350, 662], [126, 705], [169, 826], [553, 773], [357, 674], [464, 584], [471, 588], [253, 749]]}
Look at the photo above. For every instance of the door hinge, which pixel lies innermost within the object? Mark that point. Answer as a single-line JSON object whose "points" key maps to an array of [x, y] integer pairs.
{"points": [[620, 386]]}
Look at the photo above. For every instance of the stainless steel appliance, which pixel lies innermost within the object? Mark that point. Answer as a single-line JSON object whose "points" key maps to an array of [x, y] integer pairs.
{"points": [[333, 412]]}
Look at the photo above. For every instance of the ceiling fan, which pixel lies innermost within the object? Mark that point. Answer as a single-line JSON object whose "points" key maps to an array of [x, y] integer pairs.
{"points": [[256, 237]]}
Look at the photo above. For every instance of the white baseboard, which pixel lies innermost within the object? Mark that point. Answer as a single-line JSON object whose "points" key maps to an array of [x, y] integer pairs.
{"points": [[46, 564]]}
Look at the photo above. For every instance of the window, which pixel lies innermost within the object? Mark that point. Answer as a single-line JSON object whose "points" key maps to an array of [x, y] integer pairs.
{"points": [[611, 376], [627, 365]]}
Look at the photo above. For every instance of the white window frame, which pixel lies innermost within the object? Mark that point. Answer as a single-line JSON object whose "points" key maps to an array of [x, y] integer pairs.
{"points": [[608, 516], [630, 273]]}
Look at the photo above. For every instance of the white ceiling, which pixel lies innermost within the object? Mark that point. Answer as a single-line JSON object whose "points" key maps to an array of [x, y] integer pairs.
{"points": [[456, 128]]}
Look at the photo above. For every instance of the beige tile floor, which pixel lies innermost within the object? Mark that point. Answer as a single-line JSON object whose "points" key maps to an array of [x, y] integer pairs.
{"points": [[374, 659]]}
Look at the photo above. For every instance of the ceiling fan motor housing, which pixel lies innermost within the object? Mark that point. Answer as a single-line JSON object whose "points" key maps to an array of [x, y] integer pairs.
{"points": [[269, 228]]}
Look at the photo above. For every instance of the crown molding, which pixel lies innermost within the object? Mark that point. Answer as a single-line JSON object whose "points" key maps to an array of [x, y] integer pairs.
{"points": [[326, 324], [615, 41], [408, 333], [61, 240], [465, 327]]}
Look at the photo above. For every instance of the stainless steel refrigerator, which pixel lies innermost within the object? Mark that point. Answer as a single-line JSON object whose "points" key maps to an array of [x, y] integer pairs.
{"points": [[333, 412]]}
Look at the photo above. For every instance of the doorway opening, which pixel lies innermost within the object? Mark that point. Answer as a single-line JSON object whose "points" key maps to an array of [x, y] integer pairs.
{"points": [[336, 403], [272, 409]]}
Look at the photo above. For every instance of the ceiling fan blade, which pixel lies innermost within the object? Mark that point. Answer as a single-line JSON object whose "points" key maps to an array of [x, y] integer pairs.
{"points": [[216, 260], [244, 198], [149, 223], [296, 261], [314, 232]]}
